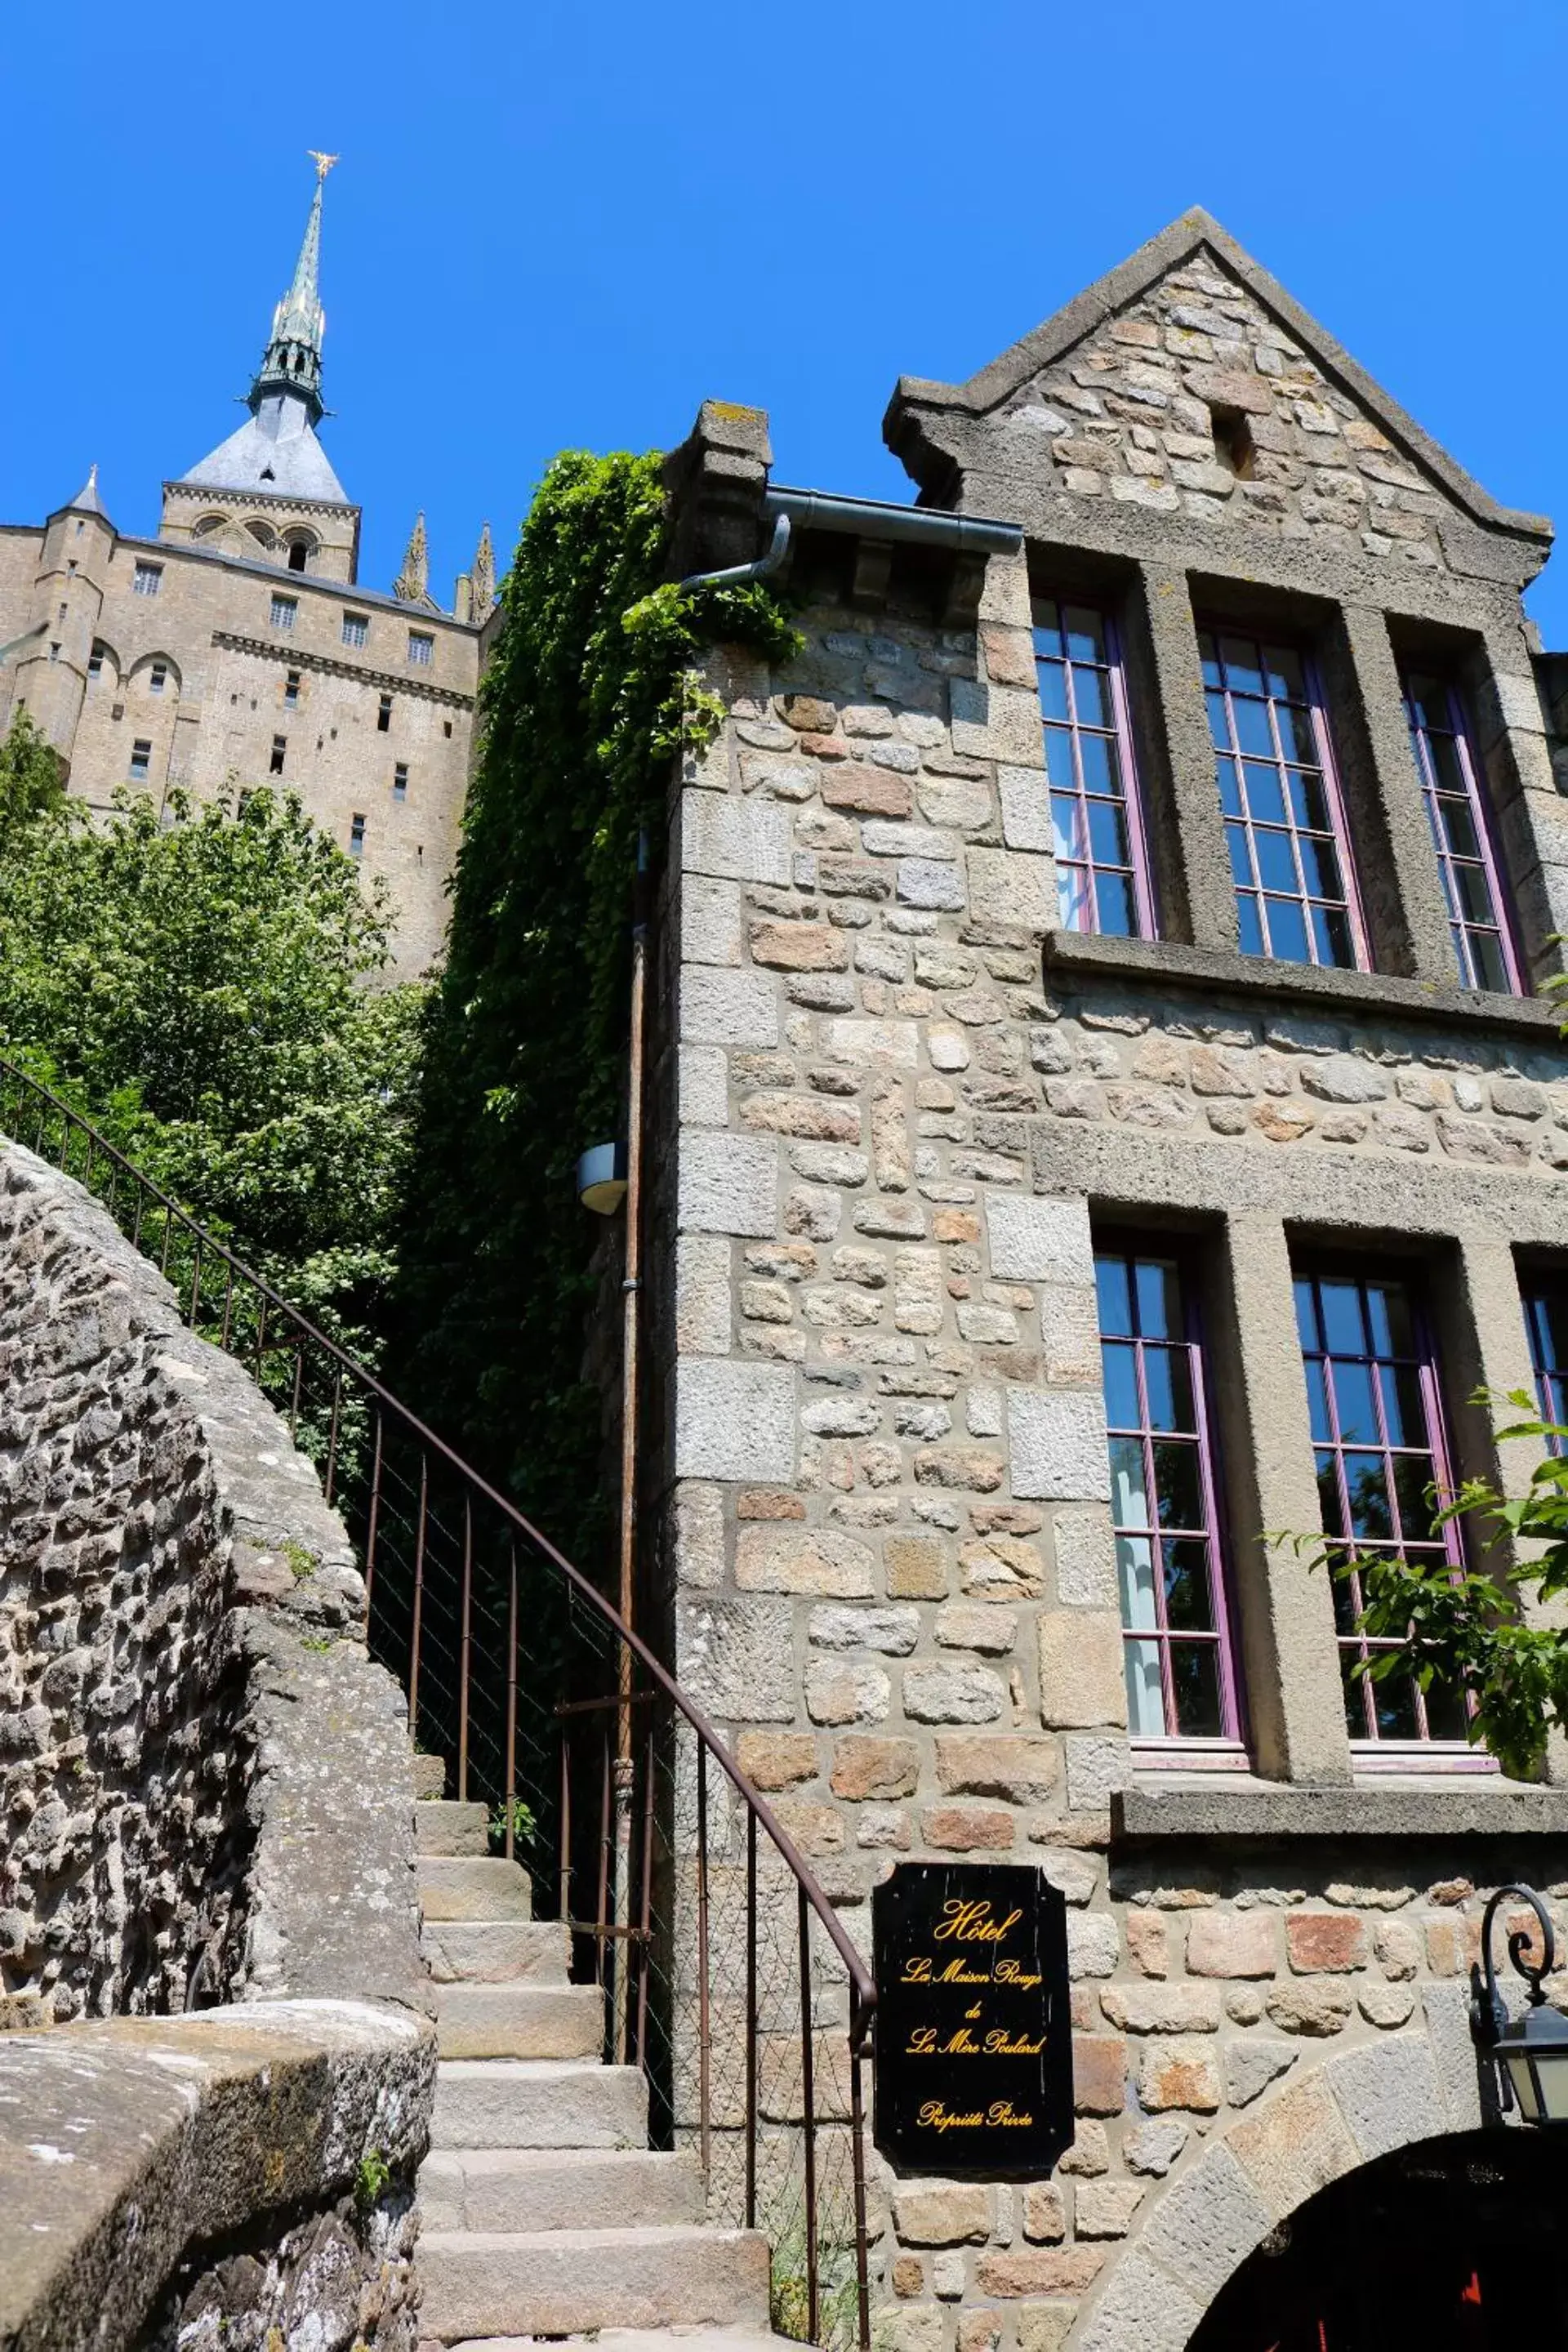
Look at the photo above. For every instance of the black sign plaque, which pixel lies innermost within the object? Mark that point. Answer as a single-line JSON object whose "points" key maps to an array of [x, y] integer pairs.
{"points": [[974, 2048]]}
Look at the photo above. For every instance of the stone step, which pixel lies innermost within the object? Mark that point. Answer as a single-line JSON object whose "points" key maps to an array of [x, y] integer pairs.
{"points": [[520, 2020], [496, 1951], [540, 2189], [429, 1776], [644, 2339], [462, 1887], [538, 2103], [559, 2282], [448, 1829]]}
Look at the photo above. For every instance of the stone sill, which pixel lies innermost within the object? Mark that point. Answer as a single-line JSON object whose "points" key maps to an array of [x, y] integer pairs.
{"points": [[1078, 955], [1222, 1806]]}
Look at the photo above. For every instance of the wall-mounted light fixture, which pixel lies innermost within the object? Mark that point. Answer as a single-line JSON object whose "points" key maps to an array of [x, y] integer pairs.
{"points": [[602, 1178], [1530, 2052]]}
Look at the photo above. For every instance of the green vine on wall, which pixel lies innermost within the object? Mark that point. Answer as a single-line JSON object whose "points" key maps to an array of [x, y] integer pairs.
{"points": [[591, 694]]}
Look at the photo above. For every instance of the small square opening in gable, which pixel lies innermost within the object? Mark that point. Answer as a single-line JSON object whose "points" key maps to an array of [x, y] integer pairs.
{"points": [[1233, 443]]}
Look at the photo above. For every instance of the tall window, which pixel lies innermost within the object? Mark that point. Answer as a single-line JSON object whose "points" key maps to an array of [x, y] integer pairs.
{"points": [[1371, 1385], [400, 782], [147, 579], [1181, 1674], [356, 628], [1450, 786], [140, 761], [1295, 893], [157, 678], [421, 648], [283, 611], [383, 716], [279, 753], [356, 835], [291, 689], [1102, 868], [1546, 1319]]}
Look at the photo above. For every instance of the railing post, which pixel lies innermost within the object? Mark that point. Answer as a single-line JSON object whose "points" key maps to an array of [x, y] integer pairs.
{"points": [[704, 2022], [417, 1630], [750, 2019], [808, 2101], [511, 1711], [465, 1651], [857, 2158], [374, 1514]]}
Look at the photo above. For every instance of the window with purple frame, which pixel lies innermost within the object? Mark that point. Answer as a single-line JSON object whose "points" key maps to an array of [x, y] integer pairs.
{"points": [[1285, 826], [1546, 1321], [1177, 1649], [1102, 868], [1457, 812], [1377, 1431]]}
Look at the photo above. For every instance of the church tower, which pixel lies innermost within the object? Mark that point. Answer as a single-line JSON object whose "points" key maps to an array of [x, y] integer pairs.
{"points": [[268, 492]]}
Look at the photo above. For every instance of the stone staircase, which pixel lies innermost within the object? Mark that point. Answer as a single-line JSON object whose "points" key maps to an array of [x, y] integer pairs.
{"points": [[545, 2213]]}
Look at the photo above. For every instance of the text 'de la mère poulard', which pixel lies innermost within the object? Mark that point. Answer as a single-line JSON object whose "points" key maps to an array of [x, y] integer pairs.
{"points": [[973, 2046]]}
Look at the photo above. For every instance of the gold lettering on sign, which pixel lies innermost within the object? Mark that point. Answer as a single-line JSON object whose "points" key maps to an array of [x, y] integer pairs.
{"points": [[1000, 2116], [970, 1922]]}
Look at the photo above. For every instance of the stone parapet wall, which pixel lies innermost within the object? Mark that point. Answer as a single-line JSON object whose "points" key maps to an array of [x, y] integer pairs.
{"points": [[207, 1785], [241, 2179]]}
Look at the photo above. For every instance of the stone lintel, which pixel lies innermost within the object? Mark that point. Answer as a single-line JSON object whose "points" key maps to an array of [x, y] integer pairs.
{"points": [[1469, 1805]]}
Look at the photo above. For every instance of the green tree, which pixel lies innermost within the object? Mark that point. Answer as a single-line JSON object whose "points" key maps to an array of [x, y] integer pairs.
{"points": [[31, 780], [202, 986], [588, 698]]}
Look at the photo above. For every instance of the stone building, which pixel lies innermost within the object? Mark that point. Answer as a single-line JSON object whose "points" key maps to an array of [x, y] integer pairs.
{"points": [[1110, 1109], [241, 645]]}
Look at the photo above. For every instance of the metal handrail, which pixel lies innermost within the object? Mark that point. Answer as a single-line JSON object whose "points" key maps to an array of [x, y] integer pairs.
{"points": [[812, 1901]]}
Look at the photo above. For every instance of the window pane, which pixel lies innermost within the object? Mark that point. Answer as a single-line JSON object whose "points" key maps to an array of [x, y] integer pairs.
{"points": [[1282, 669], [1091, 694], [1208, 655], [1119, 1366], [1412, 1489], [1446, 1712], [1187, 1604], [1403, 1406], [1296, 739], [1219, 725], [1394, 1705], [1076, 906], [1329, 1495], [1308, 801], [1060, 770], [1318, 1402], [1113, 1294], [1135, 1575], [1129, 1497], [1332, 930], [1491, 971], [1101, 769], [1236, 841], [1353, 1403], [1457, 828], [1250, 925], [1053, 689], [1159, 1299], [1243, 668], [1276, 860], [1177, 1486], [1064, 833], [1252, 730], [1264, 793], [1085, 631], [1047, 625], [1106, 833], [1167, 1375], [1287, 931], [1145, 1695], [1193, 1673], [1115, 912], [1229, 787], [1321, 870]]}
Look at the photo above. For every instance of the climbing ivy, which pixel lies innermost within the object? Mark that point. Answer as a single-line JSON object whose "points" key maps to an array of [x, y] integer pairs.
{"points": [[589, 696]]}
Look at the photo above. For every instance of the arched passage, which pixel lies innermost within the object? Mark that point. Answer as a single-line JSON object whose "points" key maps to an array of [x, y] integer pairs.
{"points": [[1454, 2244]]}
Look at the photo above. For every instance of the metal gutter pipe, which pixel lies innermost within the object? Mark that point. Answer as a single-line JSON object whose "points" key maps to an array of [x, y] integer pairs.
{"points": [[924, 526], [738, 574]]}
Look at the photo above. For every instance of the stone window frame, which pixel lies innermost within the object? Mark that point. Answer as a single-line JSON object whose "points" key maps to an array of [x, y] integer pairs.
{"points": [[1337, 830], [1543, 1297], [1370, 1750], [356, 628], [1482, 817], [356, 833], [1073, 730], [140, 768], [285, 612], [147, 580], [421, 648], [400, 780], [1176, 1750]]}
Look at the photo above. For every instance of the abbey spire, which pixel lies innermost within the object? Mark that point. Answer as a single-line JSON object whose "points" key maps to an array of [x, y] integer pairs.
{"points": [[292, 359]]}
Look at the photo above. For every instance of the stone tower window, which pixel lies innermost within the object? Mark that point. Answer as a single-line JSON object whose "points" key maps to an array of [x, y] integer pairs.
{"points": [[283, 611], [421, 648], [383, 716], [297, 553], [1175, 1614], [291, 689], [147, 579], [400, 782], [141, 759], [157, 678], [356, 628], [357, 836], [1461, 829], [95, 661], [1103, 867], [1285, 827], [279, 752]]}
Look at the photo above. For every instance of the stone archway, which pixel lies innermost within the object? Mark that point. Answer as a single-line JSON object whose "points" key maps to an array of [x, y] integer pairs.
{"points": [[1455, 2245], [1336, 2119]]}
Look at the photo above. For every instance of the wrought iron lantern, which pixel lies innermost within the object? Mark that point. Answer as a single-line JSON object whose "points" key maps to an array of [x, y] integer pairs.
{"points": [[1530, 2052]]}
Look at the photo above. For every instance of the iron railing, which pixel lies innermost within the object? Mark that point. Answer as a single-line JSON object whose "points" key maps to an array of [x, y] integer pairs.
{"points": [[728, 1978]]}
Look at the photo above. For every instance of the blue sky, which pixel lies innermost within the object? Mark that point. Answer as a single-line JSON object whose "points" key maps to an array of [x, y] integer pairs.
{"points": [[559, 225]]}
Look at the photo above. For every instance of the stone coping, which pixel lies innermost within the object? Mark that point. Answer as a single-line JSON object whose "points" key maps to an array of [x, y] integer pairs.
{"points": [[131, 2141], [1215, 1805], [1077, 955]]}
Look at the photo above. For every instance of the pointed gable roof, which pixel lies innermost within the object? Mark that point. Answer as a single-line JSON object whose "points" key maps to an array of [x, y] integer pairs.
{"points": [[917, 400]]}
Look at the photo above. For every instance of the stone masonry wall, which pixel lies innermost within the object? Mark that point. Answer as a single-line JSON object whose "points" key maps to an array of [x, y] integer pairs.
{"points": [[206, 1786], [888, 1529], [1129, 415]]}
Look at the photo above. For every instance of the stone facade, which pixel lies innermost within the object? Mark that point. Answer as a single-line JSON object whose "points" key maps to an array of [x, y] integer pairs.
{"points": [[899, 1104], [207, 1785]]}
